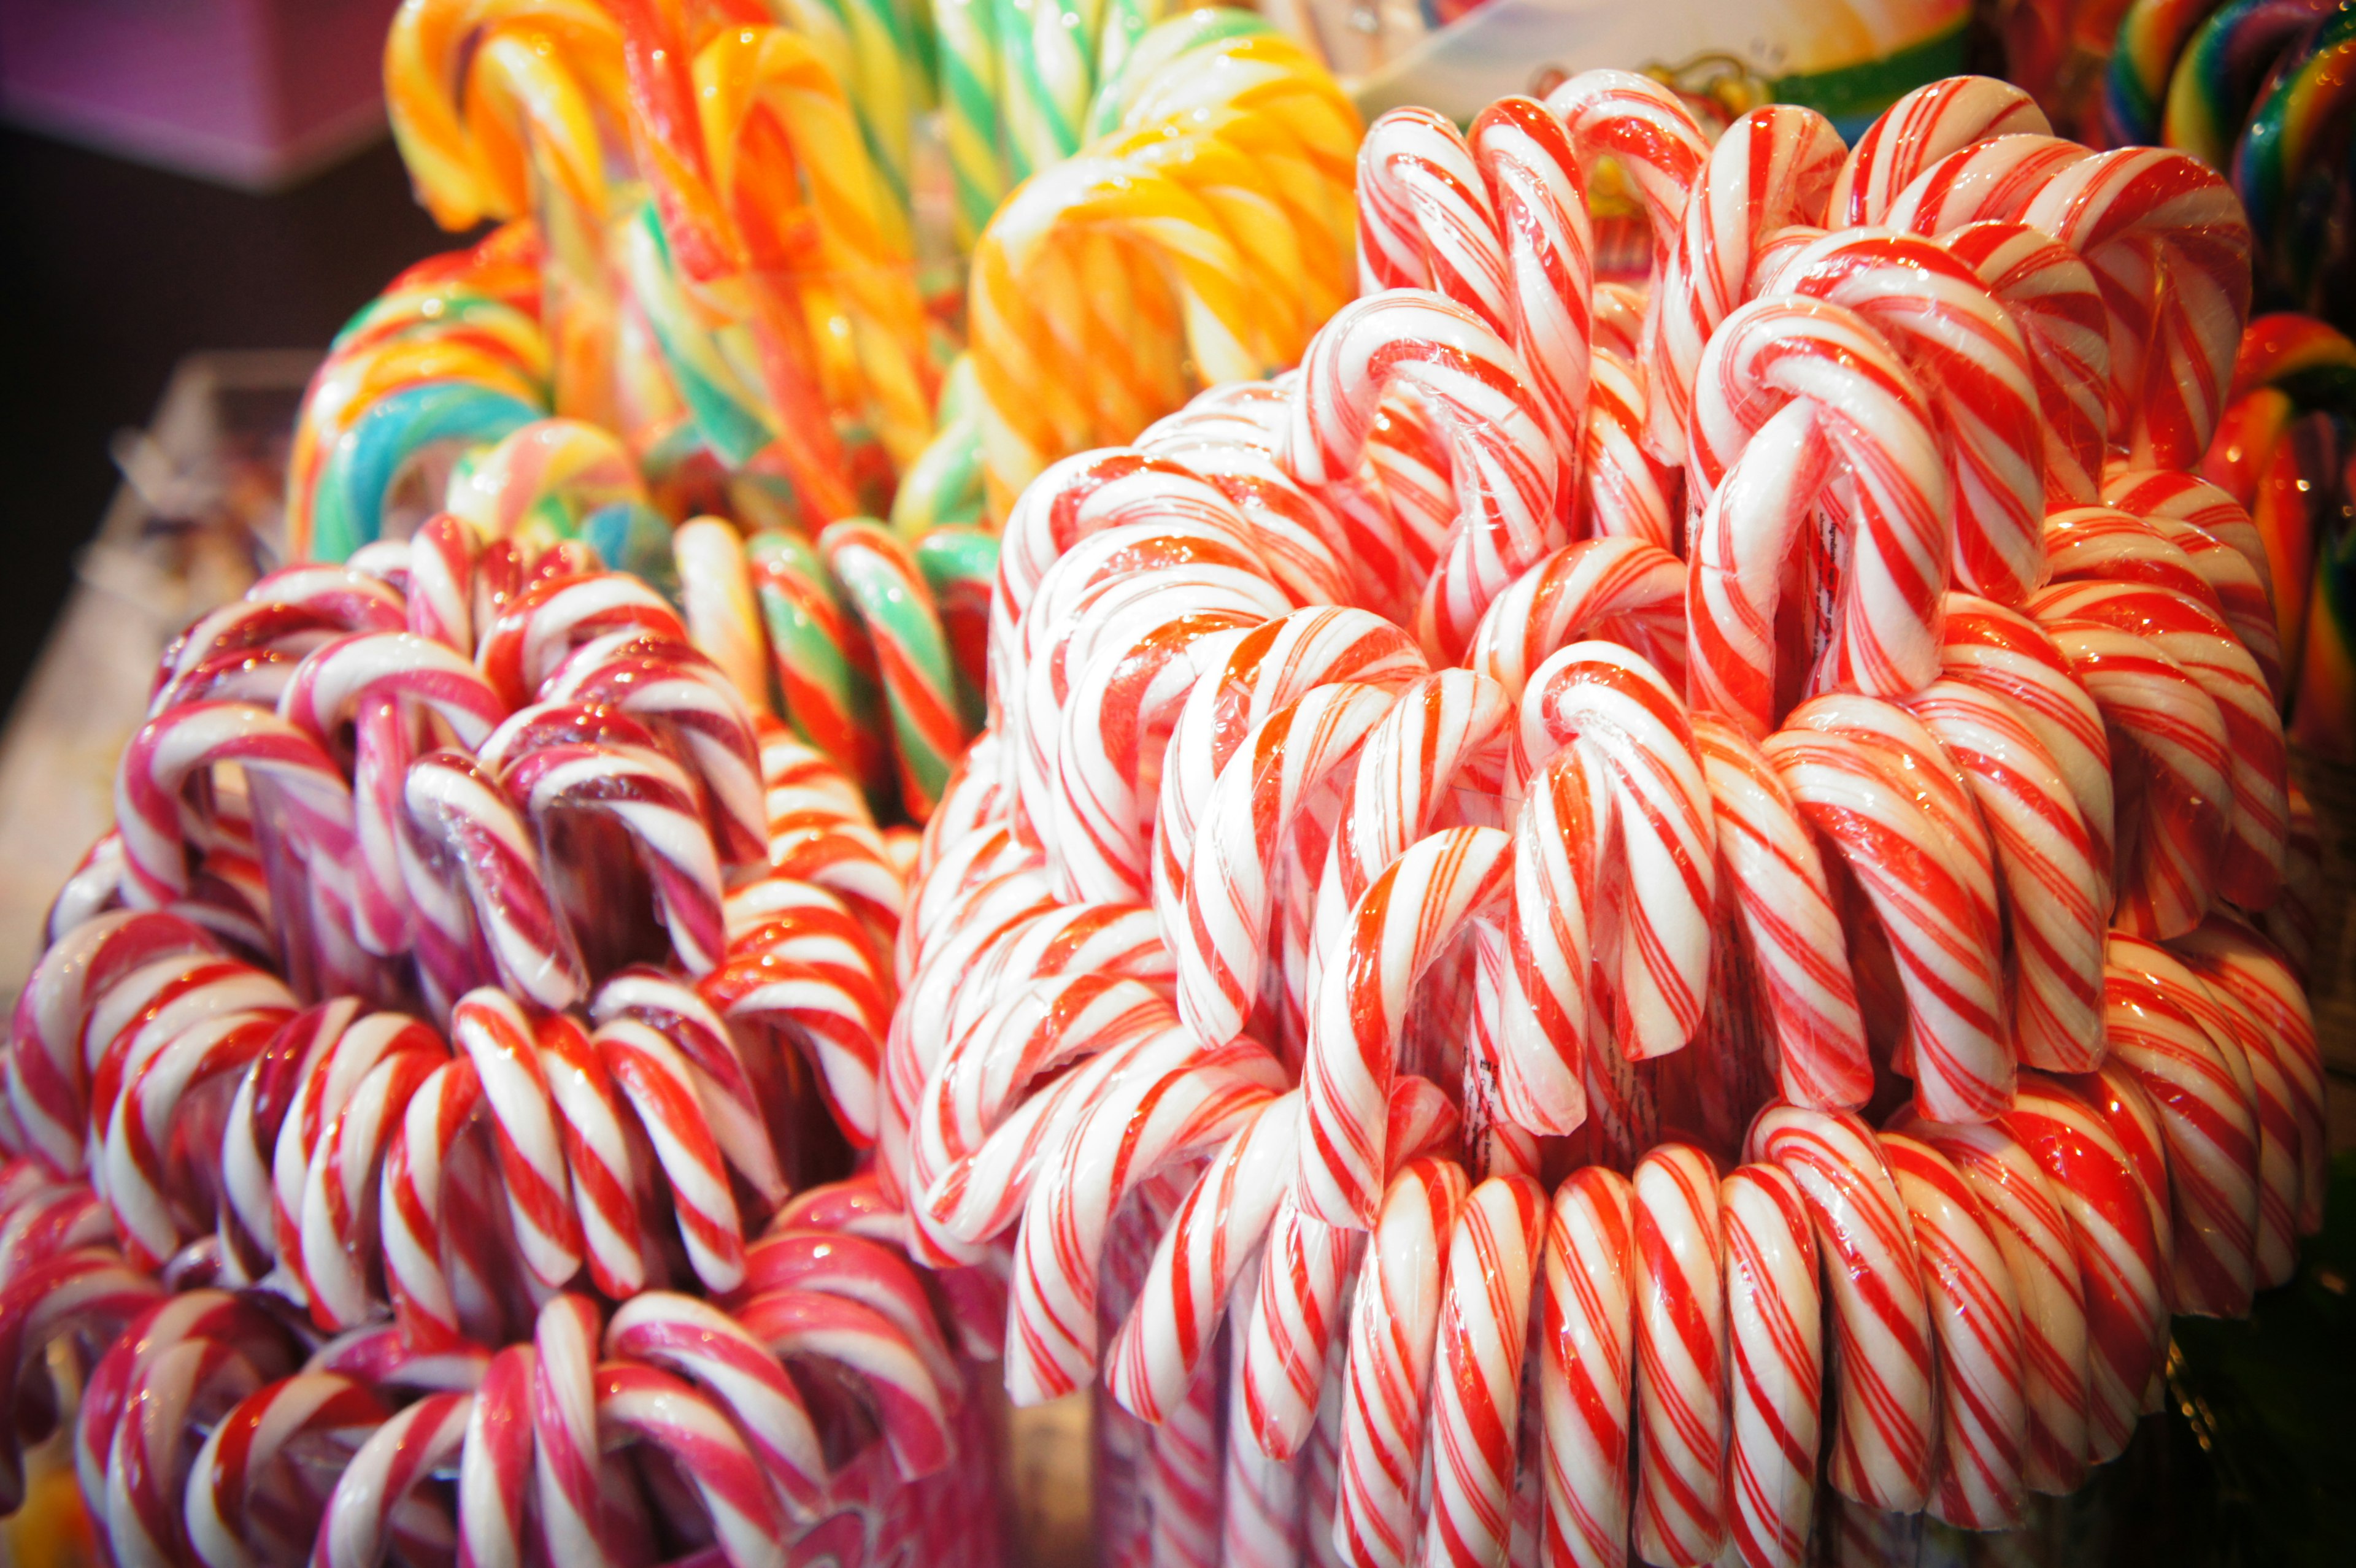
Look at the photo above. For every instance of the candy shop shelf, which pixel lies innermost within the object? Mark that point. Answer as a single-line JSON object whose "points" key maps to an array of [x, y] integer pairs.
{"points": [[189, 530]]}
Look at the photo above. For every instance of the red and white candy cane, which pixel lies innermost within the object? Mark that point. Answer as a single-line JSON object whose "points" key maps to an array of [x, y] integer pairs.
{"points": [[88, 1296], [654, 1077], [1139, 1128], [340, 1048], [534, 631], [1426, 218], [598, 1154], [1586, 1367], [1627, 590], [285, 613], [1681, 1366], [1787, 390], [1996, 180], [494, 1461], [723, 1085], [1483, 1330], [1392, 1335], [340, 1191], [2201, 1087], [1397, 927], [1930, 900], [1882, 1437], [1962, 344], [2199, 640], [496, 1037], [2236, 962], [2046, 859], [2119, 1098], [440, 588], [2054, 301], [1506, 473], [811, 974], [1307, 1277], [1916, 132], [2170, 246], [885, 1370], [2169, 839], [1773, 167], [1774, 1364], [2119, 1264], [2224, 545], [1647, 129], [711, 1350], [1976, 1323], [1538, 192], [1221, 939], [696, 1435]]}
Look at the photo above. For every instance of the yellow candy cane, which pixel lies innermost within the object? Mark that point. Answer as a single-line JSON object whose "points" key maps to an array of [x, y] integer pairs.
{"points": [[747, 78]]}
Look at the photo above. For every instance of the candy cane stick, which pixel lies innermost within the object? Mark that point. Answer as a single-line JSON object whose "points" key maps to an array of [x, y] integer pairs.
{"points": [[707, 1347], [1222, 936], [722, 1087], [1776, 1365], [2054, 301], [661, 1090], [537, 630], [2046, 859], [146, 1464], [1790, 388], [1919, 129], [1775, 167], [2224, 545], [1928, 901], [1483, 1330], [2168, 845], [597, 1154], [245, 1444], [1505, 471], [816, 979], [1405, 918], [2238, 964], [360, 1524], [2118, 1257], [1304, 1296], [339, 1051], [1627, 590], [2201, 1087], [1585, 1340], [835, 1260], [658, 1408], [461, 810], [885, 1370], [1881, 1334], [497, 1039], [2119, 1098], [1974, 1321], [1680, 1356], [339, 1223], [1389, 1366], [1996, 180]]}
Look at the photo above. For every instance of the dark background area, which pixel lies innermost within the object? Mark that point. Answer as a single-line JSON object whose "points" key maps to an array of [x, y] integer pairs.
{"points": [[109, 273]]}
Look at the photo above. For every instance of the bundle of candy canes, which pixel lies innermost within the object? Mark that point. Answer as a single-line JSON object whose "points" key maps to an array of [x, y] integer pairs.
{"points": [[416, 1113], [1613, 920]]}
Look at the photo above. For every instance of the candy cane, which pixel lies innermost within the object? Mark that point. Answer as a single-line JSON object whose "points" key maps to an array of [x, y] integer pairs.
{"points": [[817, 980], [2239, 965], [146, 1462], [89, 1292], [241, 1450], [1773, 167], [1787, 389], [1919, 129], [1680, 1356], [339, 1217], [1390, 1361], [2117, 1256], [707, 1347], [1306, 1281], [1483, 1330], [2054, 301], [885, 1370], [360, 1523], [499, 1042], [1505, 470], [1881, 1334], [1974, 1322], [536, 631], [658, 1408], [1397, 928], [2224, 545], [459, 808], [1996, 180], [1775, 1363]]}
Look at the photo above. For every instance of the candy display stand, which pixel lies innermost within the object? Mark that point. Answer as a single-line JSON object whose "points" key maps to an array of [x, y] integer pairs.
{"points": [[192, 524]]}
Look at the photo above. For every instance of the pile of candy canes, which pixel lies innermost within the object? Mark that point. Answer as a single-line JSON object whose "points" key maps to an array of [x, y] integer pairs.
{"points": [[1600, 872], [340, 1281]]}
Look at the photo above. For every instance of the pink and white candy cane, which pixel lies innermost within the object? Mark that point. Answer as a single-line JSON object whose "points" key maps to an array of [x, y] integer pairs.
{"points": [[499, 1042], [534, 631], [653, 800], [2198, 639], [1627, 590], [2200, 1088], [1767, 861], [360, 1521], [280, 618], [810, 972], [1483, 1330], [1774, 1364], [495, 1462], [1506, 473], [47, 1083], [474, 828], [1933, 905], [723, 1087], [1976, 1323], [340, 1190], [885, 1371], [660, 1087], [1392, 1341], [1881, 1334], [2046, 860], [2170, 247], [1773, 167], [1681, 1365], [1397, 928], [89, 1294], [309, 1410], [374, 681], [712, 1454], [1964, 348], [2118, 1258], [1222, 939], [1788, 391], [189, 1382], [591, 1125], [339, 1050], [440, 591], [710, 1348], [1919, 129]]}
